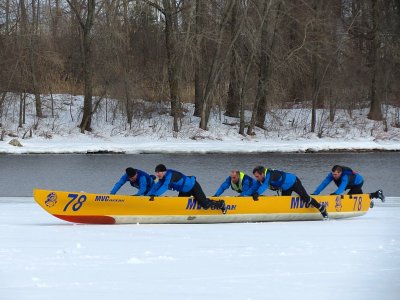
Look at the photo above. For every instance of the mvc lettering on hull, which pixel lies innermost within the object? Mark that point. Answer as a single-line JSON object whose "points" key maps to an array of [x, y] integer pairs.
{"points": [[297, 203], [103, 198], [192, 204]]}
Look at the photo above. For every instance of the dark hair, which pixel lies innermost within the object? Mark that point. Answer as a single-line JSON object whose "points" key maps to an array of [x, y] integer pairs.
{"points": [[131, 172], [259, 170], [337, 168], [161, 168]]}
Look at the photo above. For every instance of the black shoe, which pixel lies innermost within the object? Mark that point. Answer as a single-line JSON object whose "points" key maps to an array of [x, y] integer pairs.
{"points": [[380, 195], [219, 204], [323, 211], [222, 206]]}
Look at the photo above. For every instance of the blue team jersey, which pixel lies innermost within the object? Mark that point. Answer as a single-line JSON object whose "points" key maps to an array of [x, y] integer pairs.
{"points": [[277, 180], [144, 182], [347, 180], [173, 180]]}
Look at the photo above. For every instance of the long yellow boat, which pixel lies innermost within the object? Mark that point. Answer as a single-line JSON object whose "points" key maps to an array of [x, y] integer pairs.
{"points": [[81, 207]]}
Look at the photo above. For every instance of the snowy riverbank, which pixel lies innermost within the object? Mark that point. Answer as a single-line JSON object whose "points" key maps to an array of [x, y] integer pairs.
{"points": [[131, 145], [287, 130]]}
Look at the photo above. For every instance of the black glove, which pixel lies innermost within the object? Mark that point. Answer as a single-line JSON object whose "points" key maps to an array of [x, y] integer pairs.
{"points": [[255, 196], [151, 198]]}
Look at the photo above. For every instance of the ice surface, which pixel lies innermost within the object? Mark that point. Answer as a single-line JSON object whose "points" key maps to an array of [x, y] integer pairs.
{"points": [[42, 257]]}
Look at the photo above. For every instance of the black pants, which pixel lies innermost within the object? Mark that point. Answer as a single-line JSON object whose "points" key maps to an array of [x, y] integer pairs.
{"points": [[356, 189], [299, 189], [198, 194]]}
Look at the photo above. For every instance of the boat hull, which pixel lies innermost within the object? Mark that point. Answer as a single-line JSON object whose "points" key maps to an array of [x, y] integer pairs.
{"points": [[81, 207]]}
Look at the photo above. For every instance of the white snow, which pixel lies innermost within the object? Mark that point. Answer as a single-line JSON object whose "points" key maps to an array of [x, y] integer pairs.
{"points": [[287, 130], [42, 257]]}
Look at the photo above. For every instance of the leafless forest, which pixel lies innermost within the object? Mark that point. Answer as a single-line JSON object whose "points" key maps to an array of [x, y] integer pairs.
{"points": [[230, 55]]}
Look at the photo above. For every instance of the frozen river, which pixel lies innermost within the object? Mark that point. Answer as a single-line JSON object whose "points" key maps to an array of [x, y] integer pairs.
{"points": [[42, 257]]}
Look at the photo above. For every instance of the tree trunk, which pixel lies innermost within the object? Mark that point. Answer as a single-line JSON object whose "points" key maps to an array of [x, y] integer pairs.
{"points": [[262, 69], [170, 43], [2, 98], [375, 112], [7, 11], [21, 107], [33, 39], [262, 107], [35, 85], [232, 105], [87, 75], [316, 64], [315, 86], [198, 78]]}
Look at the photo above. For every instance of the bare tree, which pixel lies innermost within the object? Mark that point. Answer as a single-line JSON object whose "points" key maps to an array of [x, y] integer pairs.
{"points": [[198, 59], [233, 103], [216, 68], [170, 13], [85, 13], [375, 112], [262, 64], [29, 36]]}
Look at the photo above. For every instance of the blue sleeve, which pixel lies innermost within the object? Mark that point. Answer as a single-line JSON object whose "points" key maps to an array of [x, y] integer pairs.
{"points": [[161, 186], [264, 185], [323, 184], [120, 183], [142, 186], [342, 186], [225, 185]]}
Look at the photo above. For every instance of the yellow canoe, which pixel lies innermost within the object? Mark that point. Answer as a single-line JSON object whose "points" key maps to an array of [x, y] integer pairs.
{"points": [[81, 207]]}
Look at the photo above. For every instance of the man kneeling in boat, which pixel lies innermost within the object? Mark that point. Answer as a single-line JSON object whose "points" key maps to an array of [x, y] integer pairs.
{"points": [[288, 183], [346, 179], [239, 182], [185, 185], [138, 179]]}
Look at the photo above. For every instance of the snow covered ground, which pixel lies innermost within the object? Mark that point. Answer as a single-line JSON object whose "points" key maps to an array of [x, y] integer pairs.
{"points": [[287, 130], [42, 257]]}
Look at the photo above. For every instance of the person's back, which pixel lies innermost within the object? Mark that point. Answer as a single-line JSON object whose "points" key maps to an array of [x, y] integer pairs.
{"points": [[185, 185], [138, 179], [344, 178]]}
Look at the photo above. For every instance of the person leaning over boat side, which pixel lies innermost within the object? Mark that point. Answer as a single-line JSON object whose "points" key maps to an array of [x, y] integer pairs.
{"points": [[346, 179], [186, 186], [288, 183], [138, 179], [239, 182]]}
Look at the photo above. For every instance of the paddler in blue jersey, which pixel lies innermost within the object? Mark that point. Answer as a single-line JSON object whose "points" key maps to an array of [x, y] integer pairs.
{"points": [[346, 179], [186, 186], [287, 183], [240, 183], [138, 179]]}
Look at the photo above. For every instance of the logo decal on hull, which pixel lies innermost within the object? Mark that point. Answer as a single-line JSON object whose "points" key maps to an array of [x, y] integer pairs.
{"points": [[338, 203], [51, 200]]}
